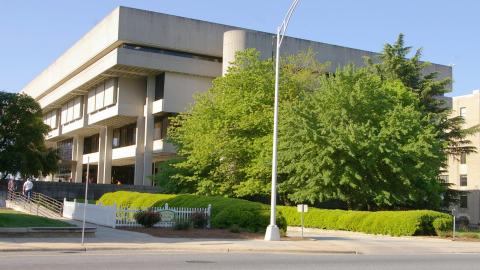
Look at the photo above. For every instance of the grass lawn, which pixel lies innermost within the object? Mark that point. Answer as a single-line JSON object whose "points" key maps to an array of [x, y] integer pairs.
{"points": [[468, 234], [10, 218]]}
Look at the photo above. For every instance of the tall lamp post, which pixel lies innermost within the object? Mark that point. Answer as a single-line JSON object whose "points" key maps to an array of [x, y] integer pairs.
{"points": [[272, 233]]}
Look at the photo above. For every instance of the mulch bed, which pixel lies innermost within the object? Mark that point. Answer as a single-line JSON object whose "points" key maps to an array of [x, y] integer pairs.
{"points": [[195, 233]]}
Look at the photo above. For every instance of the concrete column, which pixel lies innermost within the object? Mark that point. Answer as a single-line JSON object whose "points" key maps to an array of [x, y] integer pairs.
{"points": [[139, 150], [149, 132], [107, 160], [78, 142], [101, 154]]}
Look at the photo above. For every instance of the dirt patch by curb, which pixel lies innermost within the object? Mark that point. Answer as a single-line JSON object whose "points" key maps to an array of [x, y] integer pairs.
{"points": [[195, 233]]}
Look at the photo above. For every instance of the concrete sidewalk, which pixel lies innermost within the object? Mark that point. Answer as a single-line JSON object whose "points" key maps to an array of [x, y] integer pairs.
{"points": [[318, 241]]}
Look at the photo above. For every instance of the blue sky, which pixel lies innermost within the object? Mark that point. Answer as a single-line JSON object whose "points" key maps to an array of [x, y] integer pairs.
{"points": [[34, 33]]}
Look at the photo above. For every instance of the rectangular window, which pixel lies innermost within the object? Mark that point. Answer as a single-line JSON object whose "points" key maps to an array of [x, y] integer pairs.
{"points": [[463, 201], [103, 95], [64, 149], [463, 111], [463, 158], [50, 119], [160, 126], [124, 136], [91, 144], [159, 86], [463, 180], [443, 179], [72, 110]]}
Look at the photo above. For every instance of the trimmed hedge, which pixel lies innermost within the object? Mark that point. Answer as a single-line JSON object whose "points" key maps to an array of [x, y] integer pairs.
{"points": [[443, 225], [395, 223], [253, 216], [226, 212]]}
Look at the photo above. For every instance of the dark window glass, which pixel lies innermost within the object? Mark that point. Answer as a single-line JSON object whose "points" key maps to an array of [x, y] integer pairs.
{"points": [[160, 126], [90, 144], [463, 201], [443, 178], [463, 180], [124, 136], [463, 158], [159, 86], [64, 149]]}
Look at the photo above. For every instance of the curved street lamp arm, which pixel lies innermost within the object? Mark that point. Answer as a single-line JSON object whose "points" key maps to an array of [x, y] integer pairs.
{"points": [[283, 27]]}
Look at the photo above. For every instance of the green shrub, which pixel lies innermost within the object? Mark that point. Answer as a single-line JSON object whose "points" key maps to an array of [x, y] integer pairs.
{"points": [[255, 217], [442, 225], [395, 223], [251, 216], [147, 218], [235, 228], [198, 220], [183, 225]]}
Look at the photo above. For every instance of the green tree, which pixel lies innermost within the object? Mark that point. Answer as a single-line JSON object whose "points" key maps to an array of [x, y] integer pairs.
{"points": [[412, 72], [22, 144], [225, 137], [362, 140]]}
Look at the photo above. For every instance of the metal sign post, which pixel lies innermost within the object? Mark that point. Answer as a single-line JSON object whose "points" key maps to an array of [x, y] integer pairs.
{"points": [[86, 200], [302, 208], [453, 232]]}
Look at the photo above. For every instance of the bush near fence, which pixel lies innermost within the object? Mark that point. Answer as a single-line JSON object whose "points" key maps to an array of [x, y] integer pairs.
{"points": [[253, 216], [395, 223], [226, 212]]}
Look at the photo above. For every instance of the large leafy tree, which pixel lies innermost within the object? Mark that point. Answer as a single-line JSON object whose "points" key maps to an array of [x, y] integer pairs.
{"points": [[22, 145], [395, 63], [225, 138], [361, 140]]}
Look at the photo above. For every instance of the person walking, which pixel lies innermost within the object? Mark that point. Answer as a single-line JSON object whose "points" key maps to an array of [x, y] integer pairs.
{"points": [[12, 187], [27, 188]]}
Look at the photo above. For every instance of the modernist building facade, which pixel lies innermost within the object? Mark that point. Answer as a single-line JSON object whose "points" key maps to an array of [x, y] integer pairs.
{"points": [[108, 98], [464, 171]]}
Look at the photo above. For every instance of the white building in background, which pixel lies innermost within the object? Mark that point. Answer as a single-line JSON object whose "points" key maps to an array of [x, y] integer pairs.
{"points": [[107, 98], [464, 171]]}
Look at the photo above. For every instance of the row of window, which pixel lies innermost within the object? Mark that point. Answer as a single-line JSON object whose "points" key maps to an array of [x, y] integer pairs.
{"points": [[463, 179], [72, 110], [102, 96], [126, 135]]}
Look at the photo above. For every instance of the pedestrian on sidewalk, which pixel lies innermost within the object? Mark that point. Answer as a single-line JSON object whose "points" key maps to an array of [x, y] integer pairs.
{"points": [[27, 188]]}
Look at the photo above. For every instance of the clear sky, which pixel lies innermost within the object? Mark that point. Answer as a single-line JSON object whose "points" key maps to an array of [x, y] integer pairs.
{"points": [[34, 33]]}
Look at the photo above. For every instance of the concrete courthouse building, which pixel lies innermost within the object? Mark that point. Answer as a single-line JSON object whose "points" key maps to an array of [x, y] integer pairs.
{"points": [[107, 98]]}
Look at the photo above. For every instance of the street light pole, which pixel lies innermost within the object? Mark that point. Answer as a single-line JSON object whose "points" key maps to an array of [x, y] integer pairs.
{"points": [[273, 233]]}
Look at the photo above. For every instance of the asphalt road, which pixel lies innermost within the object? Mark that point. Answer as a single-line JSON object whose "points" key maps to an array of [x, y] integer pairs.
{"points": [[136, 260]]}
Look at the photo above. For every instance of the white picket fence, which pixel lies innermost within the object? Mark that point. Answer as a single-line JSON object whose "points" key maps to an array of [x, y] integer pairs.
{"points": [[125, 216], [112, 216]]}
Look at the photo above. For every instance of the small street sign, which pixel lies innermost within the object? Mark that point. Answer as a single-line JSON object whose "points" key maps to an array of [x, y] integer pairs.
{"points": [[302, 208]]}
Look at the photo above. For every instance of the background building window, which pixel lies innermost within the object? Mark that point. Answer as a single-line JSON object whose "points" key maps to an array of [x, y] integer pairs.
{"points": [[90, 144], [443, 178], [160, 126], [463, 111], [463, 180], [463, 201], [124, 136], [463, 158], [159, 86], [102, 96]]}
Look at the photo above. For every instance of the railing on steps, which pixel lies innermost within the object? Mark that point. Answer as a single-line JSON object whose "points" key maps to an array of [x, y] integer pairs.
{"points": [[37, 204]]}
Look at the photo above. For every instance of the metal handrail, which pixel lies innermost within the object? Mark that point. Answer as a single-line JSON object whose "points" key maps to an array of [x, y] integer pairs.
{"points": [[38, 199]]}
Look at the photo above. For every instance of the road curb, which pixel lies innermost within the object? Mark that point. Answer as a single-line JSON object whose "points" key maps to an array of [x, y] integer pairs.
{"points": [[180, 249]]}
